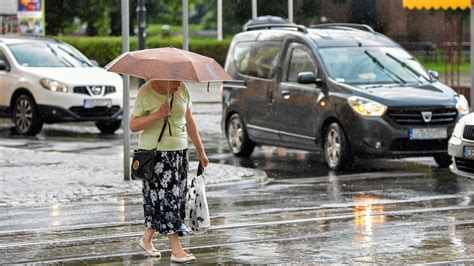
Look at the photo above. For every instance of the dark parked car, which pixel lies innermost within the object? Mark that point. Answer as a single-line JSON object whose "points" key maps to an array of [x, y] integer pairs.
{"points": [[343, 89]]}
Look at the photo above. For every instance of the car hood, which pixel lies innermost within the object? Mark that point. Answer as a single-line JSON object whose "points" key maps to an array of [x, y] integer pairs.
{"points": [[428, 94], [74, 76]]}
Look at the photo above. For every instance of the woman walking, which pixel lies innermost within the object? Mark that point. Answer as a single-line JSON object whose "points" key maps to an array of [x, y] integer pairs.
{"points": [[166, 105]]}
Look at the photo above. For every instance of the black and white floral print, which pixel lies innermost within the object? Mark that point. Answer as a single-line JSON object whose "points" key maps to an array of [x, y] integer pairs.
{"points": [[164, 196]]}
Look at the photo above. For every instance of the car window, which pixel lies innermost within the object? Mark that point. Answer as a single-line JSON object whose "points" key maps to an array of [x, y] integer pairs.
{"points": [[372, 65], [300, 61], [47, 55], [4, 58], [242, 56], [266, 60]]}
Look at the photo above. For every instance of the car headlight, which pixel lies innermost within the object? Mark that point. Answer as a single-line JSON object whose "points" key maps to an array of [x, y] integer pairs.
{"points": [[366, 107], [458, 129], [53, 85], [462, 105]]}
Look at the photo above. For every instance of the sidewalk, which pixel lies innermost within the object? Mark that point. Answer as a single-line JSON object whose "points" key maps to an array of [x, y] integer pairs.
{"points": [[39, 178]]}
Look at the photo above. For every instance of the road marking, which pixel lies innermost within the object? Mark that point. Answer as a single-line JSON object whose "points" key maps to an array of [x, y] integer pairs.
{"points": [[361, 176], [244, 225], [249, 213], [220, 245]]}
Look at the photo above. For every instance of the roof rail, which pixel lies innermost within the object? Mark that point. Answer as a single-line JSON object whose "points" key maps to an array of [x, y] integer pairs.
{"points": [[363, 27], [270, 26]]}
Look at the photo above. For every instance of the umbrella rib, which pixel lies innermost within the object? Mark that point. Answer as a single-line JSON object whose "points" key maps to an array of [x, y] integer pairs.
{"points": [[109, 65], [192, 65]]}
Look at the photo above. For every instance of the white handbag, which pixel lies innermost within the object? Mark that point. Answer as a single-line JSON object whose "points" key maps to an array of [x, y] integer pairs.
{"points": [[198, 211]]}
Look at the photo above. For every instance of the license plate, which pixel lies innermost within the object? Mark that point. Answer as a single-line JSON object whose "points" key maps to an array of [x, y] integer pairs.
{"points": [[91, 103], [428, 133], [468, 152]]}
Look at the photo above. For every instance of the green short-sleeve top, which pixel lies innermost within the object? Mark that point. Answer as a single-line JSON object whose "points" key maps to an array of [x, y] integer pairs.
{"points": [[149, 101]]}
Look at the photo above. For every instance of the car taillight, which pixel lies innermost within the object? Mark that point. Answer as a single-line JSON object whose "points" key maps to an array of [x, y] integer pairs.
{"points": [[222, 89]]}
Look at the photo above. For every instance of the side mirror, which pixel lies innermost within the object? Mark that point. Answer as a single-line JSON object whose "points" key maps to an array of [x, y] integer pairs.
{"points": [[434, 75], [309, 78], [95, 63], [4, 66]]}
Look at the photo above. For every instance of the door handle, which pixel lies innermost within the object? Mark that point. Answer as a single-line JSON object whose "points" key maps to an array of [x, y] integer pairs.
{"points": [[286, 95]]}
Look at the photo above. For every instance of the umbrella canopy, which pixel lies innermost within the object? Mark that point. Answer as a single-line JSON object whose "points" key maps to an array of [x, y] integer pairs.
{"points": [[168, 64], [265, 20]]}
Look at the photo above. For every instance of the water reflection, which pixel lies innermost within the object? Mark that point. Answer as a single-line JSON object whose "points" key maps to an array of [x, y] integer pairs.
{"points": [[55, 212], [367, 219], [122, 209]]}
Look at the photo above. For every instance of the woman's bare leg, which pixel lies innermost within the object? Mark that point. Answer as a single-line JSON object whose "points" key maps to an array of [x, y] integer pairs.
{"points": [[176, 247], [148, 237]]}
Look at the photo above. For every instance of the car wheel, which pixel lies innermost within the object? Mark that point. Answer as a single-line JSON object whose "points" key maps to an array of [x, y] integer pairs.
{"points": [[237, 138], [443, 160], [108, 127], [336, 148], [25, 116]]}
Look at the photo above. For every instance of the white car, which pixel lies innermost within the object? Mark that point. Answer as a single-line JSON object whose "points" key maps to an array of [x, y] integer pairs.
{"points": [[43, 80], [461, 147]]}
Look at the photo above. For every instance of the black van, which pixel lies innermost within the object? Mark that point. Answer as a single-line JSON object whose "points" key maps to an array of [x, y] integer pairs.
{"points": [[343, 89]]}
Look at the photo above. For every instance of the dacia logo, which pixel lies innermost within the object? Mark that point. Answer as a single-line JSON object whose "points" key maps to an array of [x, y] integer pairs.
{"points": [[427, 116]]}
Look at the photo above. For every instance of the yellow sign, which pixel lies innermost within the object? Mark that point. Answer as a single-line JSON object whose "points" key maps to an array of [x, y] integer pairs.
{"points": [[437, 4]]}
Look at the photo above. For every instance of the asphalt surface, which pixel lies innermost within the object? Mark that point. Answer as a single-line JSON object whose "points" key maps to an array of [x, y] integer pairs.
{"points": [[382, 211]]}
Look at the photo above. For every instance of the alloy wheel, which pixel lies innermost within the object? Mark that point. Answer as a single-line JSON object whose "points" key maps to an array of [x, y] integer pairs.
{"points": [[235, 134], [23, 115], [333, 147]]}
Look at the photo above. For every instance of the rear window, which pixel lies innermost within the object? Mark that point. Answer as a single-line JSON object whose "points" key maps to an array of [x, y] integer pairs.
{"points": [[258, 59], [242, 57]]}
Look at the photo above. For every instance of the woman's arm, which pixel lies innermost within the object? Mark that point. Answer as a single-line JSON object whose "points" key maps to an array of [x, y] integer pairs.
{"points": [[195, 138], [138, 123]]}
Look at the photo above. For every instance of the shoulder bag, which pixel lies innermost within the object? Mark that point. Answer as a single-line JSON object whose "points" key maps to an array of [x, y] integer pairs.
{"points": [[144, 161]]}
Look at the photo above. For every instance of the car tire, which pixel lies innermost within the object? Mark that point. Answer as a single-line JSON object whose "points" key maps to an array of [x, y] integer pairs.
{"points": [[109, 127], [336, 148], [237, 138], [25, 116], [443, 160]]}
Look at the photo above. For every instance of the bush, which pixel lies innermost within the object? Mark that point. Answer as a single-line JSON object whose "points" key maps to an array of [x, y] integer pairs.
{"points": [[105, 49]]}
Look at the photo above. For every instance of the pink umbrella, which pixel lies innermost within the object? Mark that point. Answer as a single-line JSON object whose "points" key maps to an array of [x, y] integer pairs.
{"points": [[168, 64]]}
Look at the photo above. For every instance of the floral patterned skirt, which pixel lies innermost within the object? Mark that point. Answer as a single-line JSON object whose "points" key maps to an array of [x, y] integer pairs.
{"points": [[164, 196]]}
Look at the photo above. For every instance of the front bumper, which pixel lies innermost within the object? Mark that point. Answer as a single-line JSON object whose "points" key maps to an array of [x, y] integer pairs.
{"points": [[380, 137], [53, 114], [461, 166]]}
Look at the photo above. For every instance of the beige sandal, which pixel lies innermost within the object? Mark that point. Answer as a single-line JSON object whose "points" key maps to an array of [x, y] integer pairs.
{"points": [[152, 253]]}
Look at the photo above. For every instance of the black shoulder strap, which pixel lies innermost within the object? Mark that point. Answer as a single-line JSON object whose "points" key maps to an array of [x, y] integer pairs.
{"points": [[166, 122]]}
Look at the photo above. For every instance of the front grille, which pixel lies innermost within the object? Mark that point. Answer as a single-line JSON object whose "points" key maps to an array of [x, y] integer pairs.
{"points": [[84, 90], [409, 116], [465, 164], [81, 90], [418, 145], [98, 111], [468, 132], [109, 89]]}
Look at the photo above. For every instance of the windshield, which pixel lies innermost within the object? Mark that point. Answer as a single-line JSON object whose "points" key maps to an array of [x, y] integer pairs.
{"points": [[372, 65], [48, 55]]}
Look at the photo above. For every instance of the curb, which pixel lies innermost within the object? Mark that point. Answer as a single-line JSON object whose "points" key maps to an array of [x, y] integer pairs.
{"points": [[260, 178]]}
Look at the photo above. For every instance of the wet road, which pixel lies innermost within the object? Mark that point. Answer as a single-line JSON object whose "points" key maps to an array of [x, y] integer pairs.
{"points": [[383, 211]]}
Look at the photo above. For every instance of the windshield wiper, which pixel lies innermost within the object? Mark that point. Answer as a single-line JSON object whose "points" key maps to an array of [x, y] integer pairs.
{"points": [[78, 58], [404, 65], [62, 59], [378, 63]]}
